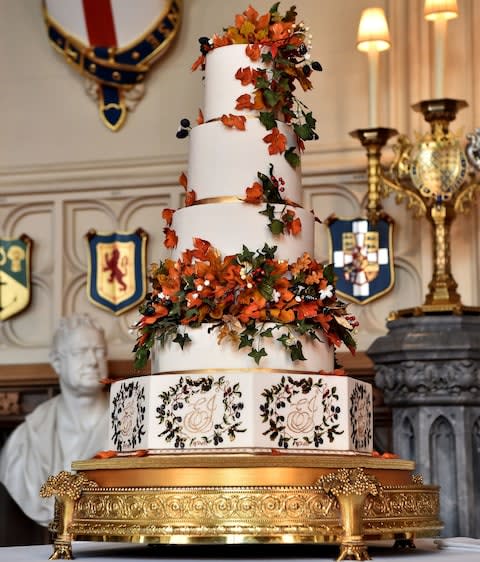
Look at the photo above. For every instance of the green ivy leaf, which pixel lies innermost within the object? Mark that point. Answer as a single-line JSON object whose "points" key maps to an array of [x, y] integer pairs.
{"points": [[276, 226], [329, 273], [266, 288], [274, 8], [246, 255], [269, 212], [304, 132], [269, 251], [267, 120], [271, 98], [257, 354], [245, 341], [296, 352], [267, 333], [182, 339], [310, 119], [292, 157]]}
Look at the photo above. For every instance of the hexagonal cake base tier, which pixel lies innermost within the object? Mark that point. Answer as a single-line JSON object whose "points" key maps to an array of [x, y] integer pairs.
{"points": [[241, 411]]}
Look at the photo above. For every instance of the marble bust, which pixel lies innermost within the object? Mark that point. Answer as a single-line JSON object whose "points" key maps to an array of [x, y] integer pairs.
{"points": [[71, 426]]}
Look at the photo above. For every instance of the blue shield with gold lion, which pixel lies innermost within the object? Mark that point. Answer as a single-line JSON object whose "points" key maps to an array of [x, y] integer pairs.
{"points": [[116, 269]]}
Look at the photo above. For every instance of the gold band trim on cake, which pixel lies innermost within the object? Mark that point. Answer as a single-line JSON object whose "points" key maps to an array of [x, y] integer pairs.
{"points": [[241, 370], [236, 199]]}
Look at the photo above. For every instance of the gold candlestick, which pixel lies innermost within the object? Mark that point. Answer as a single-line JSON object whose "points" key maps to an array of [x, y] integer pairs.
{"points": [[434, 175]]}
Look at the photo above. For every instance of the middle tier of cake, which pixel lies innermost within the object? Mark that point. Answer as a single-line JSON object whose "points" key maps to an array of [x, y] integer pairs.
{"points": [[231, 225]]}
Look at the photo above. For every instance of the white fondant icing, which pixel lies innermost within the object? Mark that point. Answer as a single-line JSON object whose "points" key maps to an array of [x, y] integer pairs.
{"points": [[221, 87], [229, 226], [204, 352], [238, 411], [224, 161]]}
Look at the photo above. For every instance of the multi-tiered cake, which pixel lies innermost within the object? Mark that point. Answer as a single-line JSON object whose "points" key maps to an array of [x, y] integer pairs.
{"points": [[242, 321]]}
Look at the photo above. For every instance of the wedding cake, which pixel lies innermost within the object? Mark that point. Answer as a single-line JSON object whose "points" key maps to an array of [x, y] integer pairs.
{"points": [[241, 322]]}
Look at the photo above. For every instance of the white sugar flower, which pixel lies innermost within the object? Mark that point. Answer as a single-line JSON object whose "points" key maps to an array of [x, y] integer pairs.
{"points": [[326, 293], [199, 288], [206, 283], [275, 296]]}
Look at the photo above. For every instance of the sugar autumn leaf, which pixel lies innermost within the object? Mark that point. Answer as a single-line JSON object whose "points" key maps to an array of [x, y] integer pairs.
{"points": [[244, 102], [246, 75], [254, 194], [198, 63], [190, 197], [183, 181], [234, 121], [171, 238], [167, 215], [253, 52], [277, 141], [292, 223]]}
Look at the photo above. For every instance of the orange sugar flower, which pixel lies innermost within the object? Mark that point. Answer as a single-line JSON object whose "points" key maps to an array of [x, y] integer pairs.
{"points": [[277, 141], [200, 119], [201, 248], [306, 310], [280, 30], [167, 216], [302, 264], [221, 41], [254, 194], [171, 238], [234, 121]]}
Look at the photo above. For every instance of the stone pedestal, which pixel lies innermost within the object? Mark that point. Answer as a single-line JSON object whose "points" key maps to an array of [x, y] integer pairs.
{"points": [[429, 370]]}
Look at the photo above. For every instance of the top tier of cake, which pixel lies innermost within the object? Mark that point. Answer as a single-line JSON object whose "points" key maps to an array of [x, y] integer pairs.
{"points": [[222, 89]]}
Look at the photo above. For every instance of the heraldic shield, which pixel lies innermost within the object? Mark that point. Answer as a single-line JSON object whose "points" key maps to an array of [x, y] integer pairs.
{"points": [[112, 44], [116, 269], [362, 257], [15, 274]]}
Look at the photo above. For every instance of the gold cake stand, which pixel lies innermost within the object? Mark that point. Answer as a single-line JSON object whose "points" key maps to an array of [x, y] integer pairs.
{"points": [[239, 498]]}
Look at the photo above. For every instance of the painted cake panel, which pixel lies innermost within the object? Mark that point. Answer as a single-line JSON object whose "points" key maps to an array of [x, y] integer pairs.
{"points": [[242, 412]]}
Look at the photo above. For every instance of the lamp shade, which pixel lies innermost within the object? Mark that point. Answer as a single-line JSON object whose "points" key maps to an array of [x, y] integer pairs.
{"points": [[373, 31], [440, 9]]}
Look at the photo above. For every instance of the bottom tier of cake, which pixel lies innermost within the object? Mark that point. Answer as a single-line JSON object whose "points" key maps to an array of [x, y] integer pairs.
{"points": [[241, 411]]}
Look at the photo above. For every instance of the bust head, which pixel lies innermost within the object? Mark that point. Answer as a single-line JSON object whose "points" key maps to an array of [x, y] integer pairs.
{"points": [[79, 355]]}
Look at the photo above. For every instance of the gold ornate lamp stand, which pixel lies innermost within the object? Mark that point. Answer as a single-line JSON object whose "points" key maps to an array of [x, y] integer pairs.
{"points": [[434, 176], [232, 499]]}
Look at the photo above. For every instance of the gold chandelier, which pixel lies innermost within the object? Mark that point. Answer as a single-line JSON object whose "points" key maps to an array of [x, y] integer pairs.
{"points": [[435, 174]]}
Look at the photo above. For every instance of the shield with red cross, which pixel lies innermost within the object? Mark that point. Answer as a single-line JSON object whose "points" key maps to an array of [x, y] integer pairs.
{"points": [[113, 44]]}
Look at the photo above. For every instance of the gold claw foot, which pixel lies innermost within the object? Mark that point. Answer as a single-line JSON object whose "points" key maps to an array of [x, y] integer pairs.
{"points": [[62, 550], [404, 544], [353, 552]]}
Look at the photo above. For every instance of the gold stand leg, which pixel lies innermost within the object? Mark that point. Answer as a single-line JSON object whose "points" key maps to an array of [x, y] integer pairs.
{"points": [[351, 509]]}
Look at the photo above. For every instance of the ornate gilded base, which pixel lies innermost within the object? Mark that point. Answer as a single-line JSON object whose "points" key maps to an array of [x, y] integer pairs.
{"points": [[185, 499]]}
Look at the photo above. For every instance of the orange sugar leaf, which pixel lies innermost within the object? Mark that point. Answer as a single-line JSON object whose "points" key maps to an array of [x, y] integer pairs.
{"points": [[199, 62], [276, 140], [183, 180], [254, 194], [244, 102], [171, 238], [251, 14], [246, 75], [253, 52], [234, 121], [200, 119], [167, 215], [190, 197]]}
